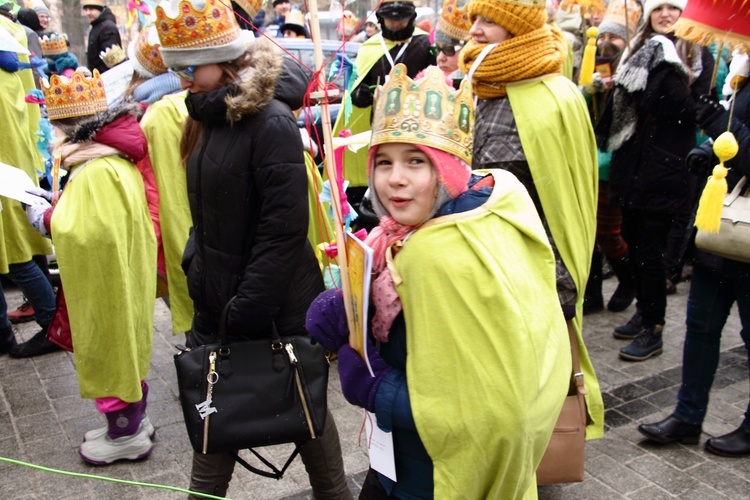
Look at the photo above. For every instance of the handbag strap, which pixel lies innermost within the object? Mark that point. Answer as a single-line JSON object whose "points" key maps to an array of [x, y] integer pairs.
{"points": [[277, 473], [223, 325], [577, 373]]}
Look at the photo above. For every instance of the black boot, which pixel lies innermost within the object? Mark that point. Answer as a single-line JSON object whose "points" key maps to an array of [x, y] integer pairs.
{"points": [[592, 299], [671, 430], [647, 343], [734, 444], [7, 340], [36, 346], [625, 292]]}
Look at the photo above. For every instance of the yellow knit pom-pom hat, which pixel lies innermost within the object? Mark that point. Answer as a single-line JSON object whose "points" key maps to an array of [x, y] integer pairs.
{"points": [[517, 16]]}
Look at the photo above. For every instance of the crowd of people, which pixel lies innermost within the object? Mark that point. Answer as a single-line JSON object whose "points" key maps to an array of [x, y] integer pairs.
{"points": [[494, 189]]}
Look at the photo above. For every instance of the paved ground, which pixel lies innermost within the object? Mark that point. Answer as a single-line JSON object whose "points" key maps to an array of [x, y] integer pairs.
{"points": [[42, 420]]}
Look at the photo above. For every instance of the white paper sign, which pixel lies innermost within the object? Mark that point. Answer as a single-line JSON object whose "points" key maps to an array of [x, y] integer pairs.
{"points": [[14, 182], [380, 447]]}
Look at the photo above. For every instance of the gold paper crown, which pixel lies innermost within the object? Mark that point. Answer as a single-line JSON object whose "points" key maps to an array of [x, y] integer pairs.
{"points": [[146, 51], [74, 96], [54, 45], [295, 17], [454, 21], [112, 56], [214, 26], [616, 14], [584, 6], [425, 112]]}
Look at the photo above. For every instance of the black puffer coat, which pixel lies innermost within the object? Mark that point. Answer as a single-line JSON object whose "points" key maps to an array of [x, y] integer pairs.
{"points": [[648, 171], [247, 189], [103, 35]]}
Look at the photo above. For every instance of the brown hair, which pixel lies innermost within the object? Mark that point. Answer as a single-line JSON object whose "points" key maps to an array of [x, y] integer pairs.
{"points": [[192, 132], [135, 81], [687, 51]]}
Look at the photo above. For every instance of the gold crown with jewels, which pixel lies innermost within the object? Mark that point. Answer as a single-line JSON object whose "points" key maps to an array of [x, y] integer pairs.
{"points": [[425, 112], [112, 56], [74, 96], [454, 21], [54, 45], [146, 54], [215, 25]]}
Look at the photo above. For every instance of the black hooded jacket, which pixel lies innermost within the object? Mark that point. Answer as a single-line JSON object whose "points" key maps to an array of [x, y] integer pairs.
{"points": [[103, 35], [247, 188]]}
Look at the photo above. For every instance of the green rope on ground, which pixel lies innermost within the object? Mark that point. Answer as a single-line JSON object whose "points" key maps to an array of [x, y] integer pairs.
{"points": [[110, 479]]}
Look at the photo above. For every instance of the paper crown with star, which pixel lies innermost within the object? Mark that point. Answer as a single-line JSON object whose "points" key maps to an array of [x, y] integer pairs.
{"points": [[112, 56], [74, 96], [196, 32], [54, 45], [425, 112]]}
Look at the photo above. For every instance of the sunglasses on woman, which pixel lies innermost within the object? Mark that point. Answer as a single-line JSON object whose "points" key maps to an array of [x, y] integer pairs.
{"points": [[447, 49], [184, 73]]}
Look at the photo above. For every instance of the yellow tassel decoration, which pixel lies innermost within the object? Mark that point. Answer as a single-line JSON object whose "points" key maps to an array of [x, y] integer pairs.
{"points": [[708, 217], [586, 76]]}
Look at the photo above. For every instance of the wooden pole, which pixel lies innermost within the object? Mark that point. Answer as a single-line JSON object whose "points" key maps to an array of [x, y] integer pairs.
{"points": [[330, 168]]}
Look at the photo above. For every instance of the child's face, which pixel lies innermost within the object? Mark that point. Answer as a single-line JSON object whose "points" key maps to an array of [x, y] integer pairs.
{"points": [[405, 182]]}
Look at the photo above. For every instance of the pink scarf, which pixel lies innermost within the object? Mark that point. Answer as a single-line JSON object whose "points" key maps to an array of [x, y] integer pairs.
{"points": [[384, 297]]}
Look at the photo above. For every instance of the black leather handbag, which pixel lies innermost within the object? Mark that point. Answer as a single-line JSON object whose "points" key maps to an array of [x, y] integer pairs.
{"points": [[254, 393]]}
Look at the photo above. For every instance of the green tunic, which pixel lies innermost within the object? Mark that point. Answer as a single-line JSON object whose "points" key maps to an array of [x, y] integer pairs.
{"points": [[561, 152], [19, 241], [487, 368], [106, 251], [162, 125]]}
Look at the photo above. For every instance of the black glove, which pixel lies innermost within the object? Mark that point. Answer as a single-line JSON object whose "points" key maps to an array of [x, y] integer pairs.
{"points": [[362, 96], [699, 159], [707, 109]]}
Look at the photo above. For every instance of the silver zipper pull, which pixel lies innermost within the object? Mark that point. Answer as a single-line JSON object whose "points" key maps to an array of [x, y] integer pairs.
{"points": [[290, 350]]}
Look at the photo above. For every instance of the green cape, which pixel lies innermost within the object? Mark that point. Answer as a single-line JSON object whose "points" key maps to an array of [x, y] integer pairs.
{"points": [[18, 240], [487, 368], [162, 126], [106, 251], [561, 151]]}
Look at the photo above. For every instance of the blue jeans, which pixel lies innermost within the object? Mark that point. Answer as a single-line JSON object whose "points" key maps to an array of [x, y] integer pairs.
{"points": [[36, 287], [711, 297]]}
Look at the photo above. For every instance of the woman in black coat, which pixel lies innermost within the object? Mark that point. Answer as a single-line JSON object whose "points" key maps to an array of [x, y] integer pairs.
{"points": [[649, 128], [247, 190]]}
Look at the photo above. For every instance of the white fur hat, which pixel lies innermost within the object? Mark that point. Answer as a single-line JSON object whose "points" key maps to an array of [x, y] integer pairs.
{"points": [[652, 5]]}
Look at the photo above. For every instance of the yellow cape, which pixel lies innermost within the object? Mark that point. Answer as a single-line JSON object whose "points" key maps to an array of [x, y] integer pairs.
{"points": [[106, 251], [18, 241], [561, 152], [487, 367], [162, 126]]}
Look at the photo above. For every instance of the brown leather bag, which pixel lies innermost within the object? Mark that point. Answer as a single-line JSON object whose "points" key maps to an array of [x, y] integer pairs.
{"points": [[563, 460]]}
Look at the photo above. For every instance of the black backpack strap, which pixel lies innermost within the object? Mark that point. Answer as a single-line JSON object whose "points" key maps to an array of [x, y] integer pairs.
{"points": [[276, 474]]}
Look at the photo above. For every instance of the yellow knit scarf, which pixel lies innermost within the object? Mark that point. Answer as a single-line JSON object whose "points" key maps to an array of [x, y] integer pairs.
{"points": [[539, 52]]}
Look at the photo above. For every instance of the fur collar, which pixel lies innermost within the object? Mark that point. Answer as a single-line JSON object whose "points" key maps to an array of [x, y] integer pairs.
{"points": [[257, 82], [629, 84], [88, 128]]}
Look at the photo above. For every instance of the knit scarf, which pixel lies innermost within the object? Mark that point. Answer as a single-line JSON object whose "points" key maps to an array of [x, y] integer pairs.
{"points": [[629, 85], [384, 296], [539, 52]]}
